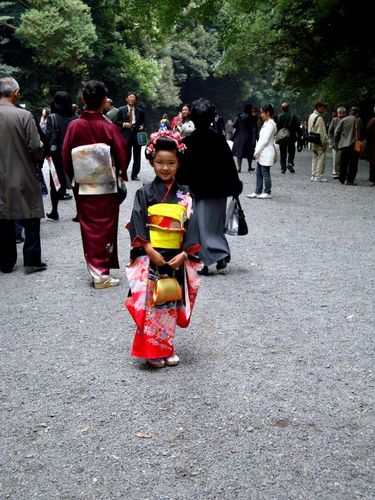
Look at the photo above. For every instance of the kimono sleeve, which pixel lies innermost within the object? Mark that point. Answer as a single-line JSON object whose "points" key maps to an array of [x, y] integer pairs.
{"points": [[137, 226], [191, 243]]}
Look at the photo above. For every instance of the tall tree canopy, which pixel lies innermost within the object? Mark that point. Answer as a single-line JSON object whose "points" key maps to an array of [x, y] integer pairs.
{"points": [[170, 51]]}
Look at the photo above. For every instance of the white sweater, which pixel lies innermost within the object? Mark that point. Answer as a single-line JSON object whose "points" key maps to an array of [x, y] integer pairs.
{"points": [[265, 147]]}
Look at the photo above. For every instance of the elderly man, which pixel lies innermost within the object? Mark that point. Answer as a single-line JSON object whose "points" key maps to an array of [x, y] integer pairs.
{"points": [[347, 132], [316, 124], [20, 191], [111, 111], [336, 153]]}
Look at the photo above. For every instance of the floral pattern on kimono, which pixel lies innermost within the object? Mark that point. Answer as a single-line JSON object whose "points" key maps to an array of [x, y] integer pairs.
{"points": [[156, 324]]}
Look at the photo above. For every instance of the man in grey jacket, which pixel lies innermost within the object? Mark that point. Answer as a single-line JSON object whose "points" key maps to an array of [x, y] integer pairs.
{"points": [[20, 191], [346, 133], [336, 153]]}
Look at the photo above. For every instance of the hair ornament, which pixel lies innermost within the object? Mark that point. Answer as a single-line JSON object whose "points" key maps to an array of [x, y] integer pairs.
{"points": [[175, 136]]}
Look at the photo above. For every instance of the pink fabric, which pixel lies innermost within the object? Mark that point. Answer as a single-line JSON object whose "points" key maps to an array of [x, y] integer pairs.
{"points": [[156, 325]]}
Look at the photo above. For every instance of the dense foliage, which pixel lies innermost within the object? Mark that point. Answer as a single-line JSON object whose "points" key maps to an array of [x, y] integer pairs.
{"points": [[172, 51]]}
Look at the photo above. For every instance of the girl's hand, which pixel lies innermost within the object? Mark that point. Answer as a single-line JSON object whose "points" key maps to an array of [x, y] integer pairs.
{"points": [[155, 257], [177, 261]]}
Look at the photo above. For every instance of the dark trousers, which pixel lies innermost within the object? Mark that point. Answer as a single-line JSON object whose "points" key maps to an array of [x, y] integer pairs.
{"points": [[8, 246], [372, 172], [287, 154], [135, 151], [348, 164]]}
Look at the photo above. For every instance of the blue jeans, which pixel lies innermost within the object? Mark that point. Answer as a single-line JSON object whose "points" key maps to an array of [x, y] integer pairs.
{"points": [[263, 174]]}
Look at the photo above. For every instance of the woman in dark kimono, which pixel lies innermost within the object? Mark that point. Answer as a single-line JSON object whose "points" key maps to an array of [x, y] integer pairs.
{"points": [[164, 240], [97, 204], [244, 137], [209, 170]]}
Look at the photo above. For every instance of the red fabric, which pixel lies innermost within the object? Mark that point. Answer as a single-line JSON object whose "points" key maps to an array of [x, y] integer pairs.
{"points": [[98, 216], [156, 325]]}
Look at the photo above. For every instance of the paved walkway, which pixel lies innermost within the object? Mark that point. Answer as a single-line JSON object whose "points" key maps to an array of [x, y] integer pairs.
{"points": [[274, 395]]}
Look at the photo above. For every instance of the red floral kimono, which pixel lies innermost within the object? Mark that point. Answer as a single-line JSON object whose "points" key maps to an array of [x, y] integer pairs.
{"points": [[156, 324]]}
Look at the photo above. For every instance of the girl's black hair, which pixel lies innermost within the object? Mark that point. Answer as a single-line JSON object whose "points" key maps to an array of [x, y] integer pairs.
{"points": [[62, 104], [93, 94], [248, 108], [268, 108], [163, 144]]}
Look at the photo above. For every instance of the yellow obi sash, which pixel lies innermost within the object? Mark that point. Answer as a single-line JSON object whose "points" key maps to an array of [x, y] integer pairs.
{"points": [[166, 225]]}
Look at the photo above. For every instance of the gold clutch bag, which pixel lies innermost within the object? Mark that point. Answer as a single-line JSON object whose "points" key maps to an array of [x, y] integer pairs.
{"points": [[167, 290]]}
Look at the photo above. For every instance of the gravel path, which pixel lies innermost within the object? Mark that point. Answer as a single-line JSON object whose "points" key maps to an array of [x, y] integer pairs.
{"points": [[274, 395]]}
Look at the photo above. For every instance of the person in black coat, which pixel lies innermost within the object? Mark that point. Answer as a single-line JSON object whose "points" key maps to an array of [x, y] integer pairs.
{"points": [[208, 168], [244, 137], [131, 120], [288, 120]]}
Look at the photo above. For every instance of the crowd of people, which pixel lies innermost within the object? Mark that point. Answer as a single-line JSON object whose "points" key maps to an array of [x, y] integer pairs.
{"points": [[177, 225]]}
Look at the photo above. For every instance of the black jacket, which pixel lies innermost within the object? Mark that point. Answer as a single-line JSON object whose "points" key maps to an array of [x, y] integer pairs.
{"points": [[207, 166], [123, 117]]}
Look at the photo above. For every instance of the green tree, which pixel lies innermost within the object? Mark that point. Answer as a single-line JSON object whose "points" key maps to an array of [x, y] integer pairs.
{"points": [[61, 33]]}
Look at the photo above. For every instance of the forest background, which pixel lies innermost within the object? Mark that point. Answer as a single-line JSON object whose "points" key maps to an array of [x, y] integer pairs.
{"points": [[173, 51]]}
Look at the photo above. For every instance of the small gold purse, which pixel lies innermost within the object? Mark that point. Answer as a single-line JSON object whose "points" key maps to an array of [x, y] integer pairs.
{"points": [[167, 290]]}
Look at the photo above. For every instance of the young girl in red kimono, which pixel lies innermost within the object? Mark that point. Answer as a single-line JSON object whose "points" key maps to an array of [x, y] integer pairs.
{"points": [[164, 240]]}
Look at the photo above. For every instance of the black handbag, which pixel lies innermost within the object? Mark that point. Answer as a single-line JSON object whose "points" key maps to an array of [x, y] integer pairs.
{"points": [[235, 224], [314, 137]]}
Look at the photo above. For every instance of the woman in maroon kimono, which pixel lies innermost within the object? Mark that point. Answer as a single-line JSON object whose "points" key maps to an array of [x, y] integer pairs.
{"points": [[92, 143]]}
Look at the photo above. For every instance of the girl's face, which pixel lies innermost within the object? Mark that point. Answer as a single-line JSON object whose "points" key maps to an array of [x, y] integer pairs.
{"points": [[265, 115], [185, 112], [165, 165]]}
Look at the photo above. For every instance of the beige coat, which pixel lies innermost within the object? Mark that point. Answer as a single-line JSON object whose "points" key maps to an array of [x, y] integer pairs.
{"points": [[20, 148], [319, 128]]}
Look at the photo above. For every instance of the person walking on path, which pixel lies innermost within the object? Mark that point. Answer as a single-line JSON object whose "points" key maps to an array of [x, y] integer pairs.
{"points": [[244, 137], [89, 146], [370, 142], [288, 120], [336, 153], [347, 132], [57, 123], [164, 238], [265, 154], [131, 120], [316, 124], [208, 168], [20, 190]]}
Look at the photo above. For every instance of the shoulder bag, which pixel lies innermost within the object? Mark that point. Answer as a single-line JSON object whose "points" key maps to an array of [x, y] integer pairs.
{"points": [[283, 135], [359, 146], [314, 137]]}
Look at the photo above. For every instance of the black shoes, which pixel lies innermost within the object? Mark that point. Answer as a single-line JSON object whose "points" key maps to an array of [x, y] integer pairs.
{"points": [[135, 178], [291, 169], [251, 169], [221, 264], [203, 271], [21, 239], [53, 215], [283, 170], [35, 269], [75, 219]]}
